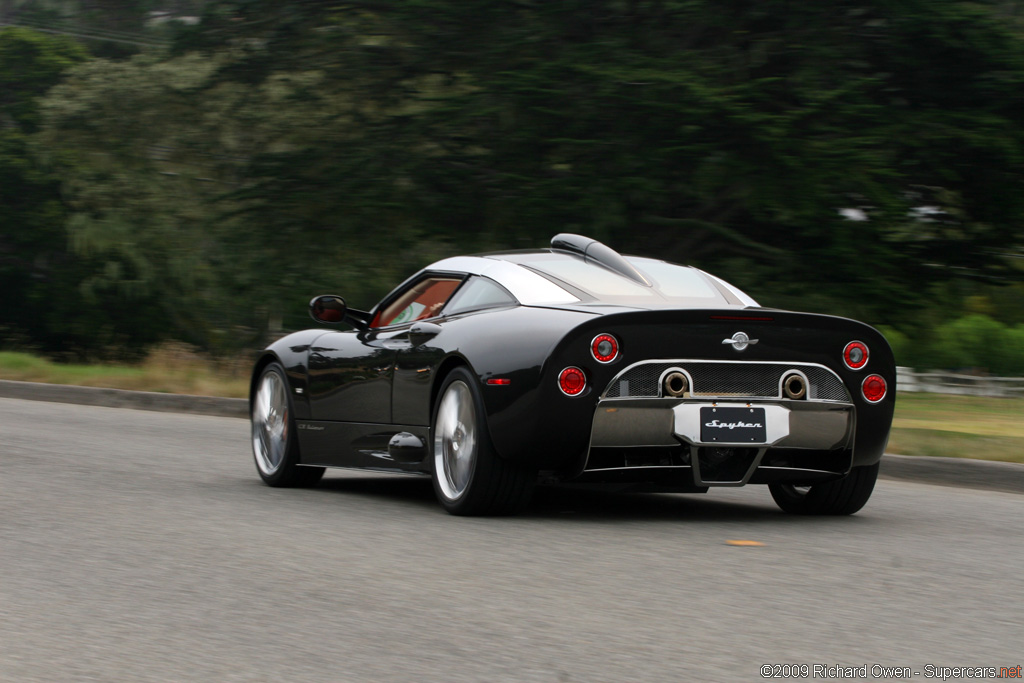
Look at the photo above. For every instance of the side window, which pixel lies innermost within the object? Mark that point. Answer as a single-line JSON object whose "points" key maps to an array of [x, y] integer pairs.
{"points": [[425, 299], [479, 293]]}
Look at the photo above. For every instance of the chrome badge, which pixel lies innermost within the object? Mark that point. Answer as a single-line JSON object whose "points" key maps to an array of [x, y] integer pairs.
{"points": [[740, 341]]}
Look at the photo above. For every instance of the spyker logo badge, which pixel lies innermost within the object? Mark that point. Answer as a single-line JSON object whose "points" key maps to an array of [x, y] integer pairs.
{"points": [[740, 341], [733, 425]]}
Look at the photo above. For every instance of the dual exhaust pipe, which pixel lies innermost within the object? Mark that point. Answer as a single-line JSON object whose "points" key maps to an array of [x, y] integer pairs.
{"points": [[794, 386], [676, 385]]}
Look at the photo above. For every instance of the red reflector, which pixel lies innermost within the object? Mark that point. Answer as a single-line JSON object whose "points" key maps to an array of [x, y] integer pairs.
{"points": [[855, 355], [572, 381], [873, 388], [604, 348], [499, 382]]}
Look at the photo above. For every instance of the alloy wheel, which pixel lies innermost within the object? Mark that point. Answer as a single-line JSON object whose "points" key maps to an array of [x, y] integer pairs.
{"points": [[455, 440], [270, 424]]}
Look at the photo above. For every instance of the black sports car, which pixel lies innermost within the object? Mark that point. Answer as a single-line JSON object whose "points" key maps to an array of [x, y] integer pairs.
{"points": [[576, 364]]}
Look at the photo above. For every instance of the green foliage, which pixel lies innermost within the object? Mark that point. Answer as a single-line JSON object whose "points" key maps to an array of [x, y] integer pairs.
{"points": [[35, 265], [725, 136], [111, 29], [281, 149], [30, 64], [1012, 353], [973, 343], [135, 216], [902, 347]]}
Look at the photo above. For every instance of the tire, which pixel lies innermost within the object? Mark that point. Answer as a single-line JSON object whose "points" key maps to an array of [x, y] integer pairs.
{"points": [[843, 497], [469, 477], [275, 444]]}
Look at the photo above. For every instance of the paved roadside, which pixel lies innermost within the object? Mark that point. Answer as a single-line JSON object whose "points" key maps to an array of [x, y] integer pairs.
{"points": [[963, 472]]}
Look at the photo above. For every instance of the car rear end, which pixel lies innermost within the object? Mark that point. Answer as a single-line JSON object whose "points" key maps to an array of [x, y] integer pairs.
{"points": [[687, 399]]}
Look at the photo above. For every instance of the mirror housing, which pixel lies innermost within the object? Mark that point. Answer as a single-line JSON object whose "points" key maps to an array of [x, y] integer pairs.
{"points": [[328, 308]]}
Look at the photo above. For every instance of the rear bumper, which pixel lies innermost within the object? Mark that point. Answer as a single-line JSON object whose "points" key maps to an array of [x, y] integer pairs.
{"points": [[660, 440]]}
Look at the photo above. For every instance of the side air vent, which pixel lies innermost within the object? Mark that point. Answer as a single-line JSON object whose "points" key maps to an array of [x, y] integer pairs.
{"points": [[592, 250]]}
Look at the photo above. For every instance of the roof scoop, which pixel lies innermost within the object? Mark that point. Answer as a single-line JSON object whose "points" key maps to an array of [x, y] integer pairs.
{"points": [[592, 250]]}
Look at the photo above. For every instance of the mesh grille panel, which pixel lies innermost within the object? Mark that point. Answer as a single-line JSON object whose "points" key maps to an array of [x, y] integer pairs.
{"points": [[739, 379]]}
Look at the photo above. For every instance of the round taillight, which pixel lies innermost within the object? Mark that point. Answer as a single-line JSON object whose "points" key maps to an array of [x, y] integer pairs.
{"points": [[855, 355], [873, 388], [605, 348], [572, 381]]}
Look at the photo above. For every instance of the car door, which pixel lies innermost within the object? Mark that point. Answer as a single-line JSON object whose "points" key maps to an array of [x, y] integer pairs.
{"points": [[351, 372], [420, 352], [350, 377]]}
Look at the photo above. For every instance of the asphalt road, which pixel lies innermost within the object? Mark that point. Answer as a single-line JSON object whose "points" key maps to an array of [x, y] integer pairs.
{"points": [[141, 546]]}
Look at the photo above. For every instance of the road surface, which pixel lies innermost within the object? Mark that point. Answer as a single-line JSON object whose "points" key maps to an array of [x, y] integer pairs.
{"points": [[142, 546]]}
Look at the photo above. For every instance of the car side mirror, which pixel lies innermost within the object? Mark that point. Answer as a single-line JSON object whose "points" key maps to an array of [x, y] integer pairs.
{"points": [[327, 308]]}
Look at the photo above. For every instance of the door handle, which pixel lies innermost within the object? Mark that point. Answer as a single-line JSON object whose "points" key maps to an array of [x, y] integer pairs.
{"points": [[421, 332]]}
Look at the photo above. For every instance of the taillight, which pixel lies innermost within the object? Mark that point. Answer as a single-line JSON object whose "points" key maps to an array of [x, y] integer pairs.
{"points": [[572, 381], [855, 355], [873, 388], [605, 348]]}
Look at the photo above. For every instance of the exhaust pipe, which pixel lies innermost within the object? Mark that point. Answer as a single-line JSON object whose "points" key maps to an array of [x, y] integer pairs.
{"points": [[794, 386], [676, 384]]}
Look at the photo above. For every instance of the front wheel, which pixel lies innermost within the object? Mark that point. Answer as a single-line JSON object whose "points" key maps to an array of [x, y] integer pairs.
{"points": [[470, 478], [842, 497], [275, 445]]}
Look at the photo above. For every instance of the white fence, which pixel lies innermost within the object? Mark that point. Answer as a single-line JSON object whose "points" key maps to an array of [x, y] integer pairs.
{"points": [[907, 379]]}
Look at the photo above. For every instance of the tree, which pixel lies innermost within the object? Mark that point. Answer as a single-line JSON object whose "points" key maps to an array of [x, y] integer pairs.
{"points": [[730, 135], [280, 149], [34, 259]]}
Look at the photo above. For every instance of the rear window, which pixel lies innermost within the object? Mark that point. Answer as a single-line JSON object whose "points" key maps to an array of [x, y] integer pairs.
{"points": [[591, 277], [670, 282], [675, 281]]}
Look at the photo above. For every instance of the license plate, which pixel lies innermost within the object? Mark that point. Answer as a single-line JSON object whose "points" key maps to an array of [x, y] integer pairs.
{"points": [[732, 425]]}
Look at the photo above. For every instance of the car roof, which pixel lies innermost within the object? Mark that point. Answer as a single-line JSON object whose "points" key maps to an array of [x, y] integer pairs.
{"points": [[579, 270]]}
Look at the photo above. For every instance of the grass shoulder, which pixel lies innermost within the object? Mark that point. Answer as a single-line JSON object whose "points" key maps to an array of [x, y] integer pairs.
{"points": [[171, 369], [954, 426]]}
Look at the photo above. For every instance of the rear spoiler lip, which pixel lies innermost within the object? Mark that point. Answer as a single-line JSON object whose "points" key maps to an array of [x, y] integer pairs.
{"points": [[738, 314]]}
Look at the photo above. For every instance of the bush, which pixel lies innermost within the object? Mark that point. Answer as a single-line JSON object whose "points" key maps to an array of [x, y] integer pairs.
{"points": [[972, 343], [902, 348], [1015, 351]]}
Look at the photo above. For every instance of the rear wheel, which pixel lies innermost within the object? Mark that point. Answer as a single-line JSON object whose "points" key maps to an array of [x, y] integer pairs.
{"points": [[275, 446], [470, 478], [842, 497]]}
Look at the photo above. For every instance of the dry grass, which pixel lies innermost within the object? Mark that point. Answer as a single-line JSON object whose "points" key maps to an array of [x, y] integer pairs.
{"points": [[948, 444], [958, 427], [171, 368]]}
